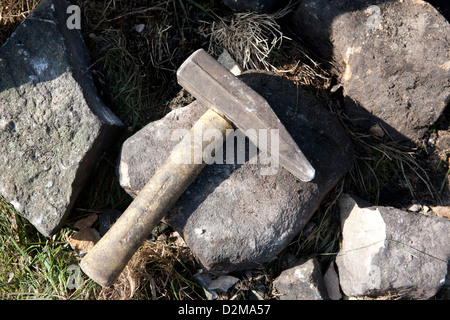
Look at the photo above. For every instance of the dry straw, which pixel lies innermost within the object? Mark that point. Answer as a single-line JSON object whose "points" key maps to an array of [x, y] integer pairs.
{"points": [[249, 37]]}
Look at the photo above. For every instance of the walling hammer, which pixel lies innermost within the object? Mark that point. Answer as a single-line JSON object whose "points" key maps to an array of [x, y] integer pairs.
{"points": [[230, 101]]}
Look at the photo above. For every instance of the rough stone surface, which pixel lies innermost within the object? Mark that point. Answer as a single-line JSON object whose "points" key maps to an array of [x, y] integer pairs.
{"points": [[232, 217], [389, 252], [301, 282], [53, 126], [392, 58], [222, 283]]}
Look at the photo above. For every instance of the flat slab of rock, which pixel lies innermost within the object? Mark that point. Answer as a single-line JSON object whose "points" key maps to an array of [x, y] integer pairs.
{"points": [[393, 59], [301, 282], [53, 126], [233, 217], [389, 252]]}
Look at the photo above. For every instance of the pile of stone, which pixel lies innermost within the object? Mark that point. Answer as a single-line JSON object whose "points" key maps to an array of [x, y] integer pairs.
{"points": [[385, 253], [392, 60]]}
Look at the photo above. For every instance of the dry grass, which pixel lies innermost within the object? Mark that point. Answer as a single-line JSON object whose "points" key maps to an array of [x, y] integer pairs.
{"points": [[13, 11], [132, 60], [302, 69], [251, 38], [160, 270]]}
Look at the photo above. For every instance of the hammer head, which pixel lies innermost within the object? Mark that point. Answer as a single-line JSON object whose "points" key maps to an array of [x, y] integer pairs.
{"points": [[217, 88]]}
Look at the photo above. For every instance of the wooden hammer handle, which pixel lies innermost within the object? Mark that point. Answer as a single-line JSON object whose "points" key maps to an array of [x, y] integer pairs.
{"points": [[106, 260]]}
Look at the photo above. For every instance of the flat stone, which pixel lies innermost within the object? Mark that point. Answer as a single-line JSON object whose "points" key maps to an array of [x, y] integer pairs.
{"points": [[301, 282], [53, 127], [233, 217], [392, 58], [389, 252]]}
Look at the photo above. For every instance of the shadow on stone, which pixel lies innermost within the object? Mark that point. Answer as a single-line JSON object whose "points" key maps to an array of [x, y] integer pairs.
{"points": [[233, 217], [391, 58]]}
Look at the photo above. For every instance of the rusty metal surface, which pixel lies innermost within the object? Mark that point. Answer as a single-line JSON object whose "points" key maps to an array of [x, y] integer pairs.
{"points": [[217, 88]]}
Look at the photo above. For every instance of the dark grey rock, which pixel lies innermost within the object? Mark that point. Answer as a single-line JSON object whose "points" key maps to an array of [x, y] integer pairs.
{"points": [[443, 6], [301, 282], [53, 126], [389, 252], [106, 219], [392, 58], [232, 217]]}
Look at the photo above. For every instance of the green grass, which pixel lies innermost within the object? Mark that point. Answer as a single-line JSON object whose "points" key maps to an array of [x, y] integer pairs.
{"points": [[32, 266]]}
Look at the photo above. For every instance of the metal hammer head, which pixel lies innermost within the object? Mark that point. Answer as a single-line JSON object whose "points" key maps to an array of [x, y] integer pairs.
{"points": [[217, 88]]}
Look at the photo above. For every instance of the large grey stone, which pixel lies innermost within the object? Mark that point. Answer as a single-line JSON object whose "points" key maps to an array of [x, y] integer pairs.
{"points": [[392, 58], [389, 252], [232, 216], [53, 126]]}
